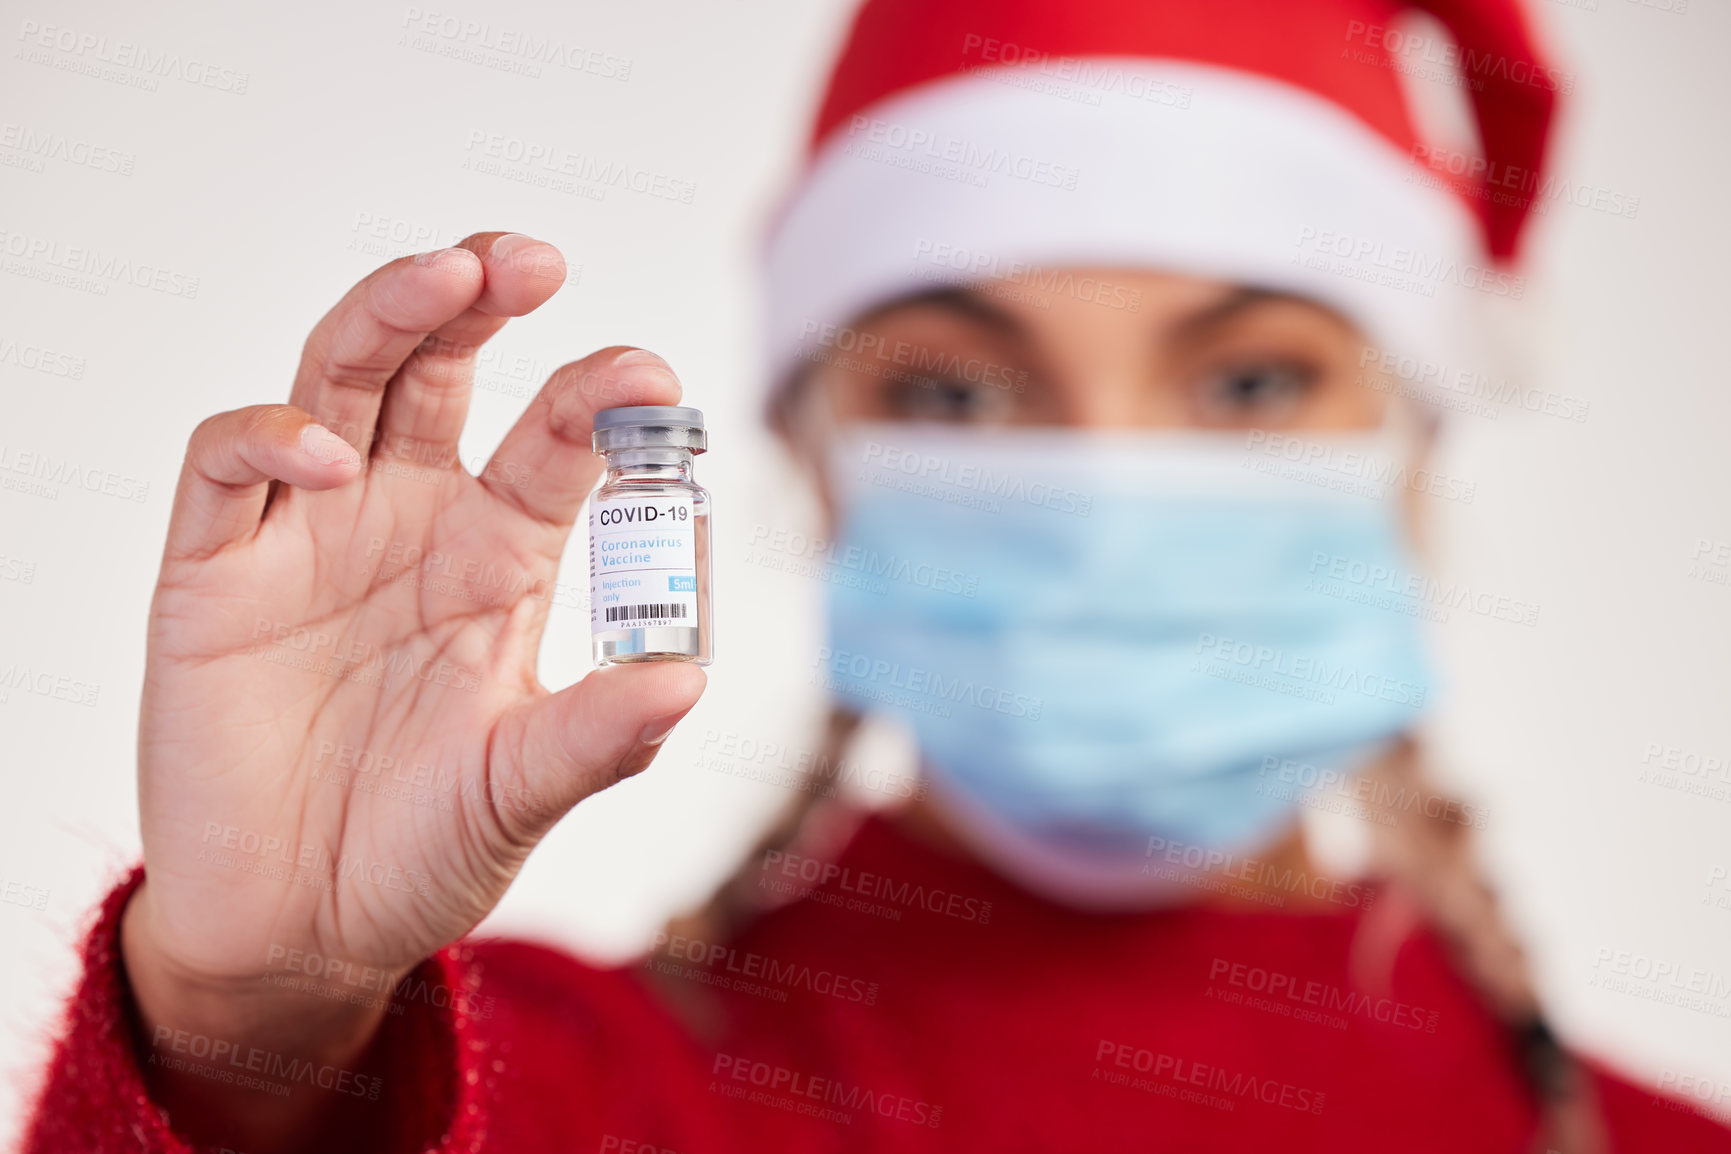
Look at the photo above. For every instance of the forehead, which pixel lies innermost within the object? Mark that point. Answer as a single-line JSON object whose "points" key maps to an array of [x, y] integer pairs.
{"points": [[1071, 300]]}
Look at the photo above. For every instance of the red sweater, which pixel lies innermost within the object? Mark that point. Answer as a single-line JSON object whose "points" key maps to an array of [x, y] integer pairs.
{"points": [[915, 1002]]}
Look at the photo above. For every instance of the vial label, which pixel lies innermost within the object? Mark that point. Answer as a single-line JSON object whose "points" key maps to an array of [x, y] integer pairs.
{"points": [[642, 563]]}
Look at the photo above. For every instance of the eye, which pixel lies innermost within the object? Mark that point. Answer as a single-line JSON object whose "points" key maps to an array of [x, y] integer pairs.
{"points": [[922, 398], [1261, 391]]}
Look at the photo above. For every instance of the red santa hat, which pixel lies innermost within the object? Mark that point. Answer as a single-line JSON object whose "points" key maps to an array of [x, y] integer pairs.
{"points": [[1261, 142]]}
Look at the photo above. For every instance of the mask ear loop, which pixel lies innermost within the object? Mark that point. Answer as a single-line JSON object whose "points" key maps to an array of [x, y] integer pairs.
{"points": [[802, 411], [1408, 429], [807, 413], [1408, 434]]}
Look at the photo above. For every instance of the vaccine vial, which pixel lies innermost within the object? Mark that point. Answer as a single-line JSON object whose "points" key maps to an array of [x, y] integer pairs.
{"points": [[649, 579]]}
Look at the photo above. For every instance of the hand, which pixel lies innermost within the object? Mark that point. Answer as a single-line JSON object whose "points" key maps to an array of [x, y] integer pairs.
{"points": [[344, 751]]}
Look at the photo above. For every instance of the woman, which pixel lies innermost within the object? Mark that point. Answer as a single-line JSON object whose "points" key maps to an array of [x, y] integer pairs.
{"points": [[1089, 384]]}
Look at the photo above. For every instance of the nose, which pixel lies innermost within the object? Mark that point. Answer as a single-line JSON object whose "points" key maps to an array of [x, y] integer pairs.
{"points": [[1119, 390]]}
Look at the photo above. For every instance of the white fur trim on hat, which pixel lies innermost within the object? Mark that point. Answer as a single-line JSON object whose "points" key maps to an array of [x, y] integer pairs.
{"points": [[1179, 167]]}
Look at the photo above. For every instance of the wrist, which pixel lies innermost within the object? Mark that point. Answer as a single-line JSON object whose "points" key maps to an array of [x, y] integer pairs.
{"points": [[230, 1019], [243, 1061]]}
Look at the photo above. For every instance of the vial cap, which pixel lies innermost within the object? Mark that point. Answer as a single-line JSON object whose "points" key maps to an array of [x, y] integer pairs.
{"points": [[649, 427], [663, 415]]}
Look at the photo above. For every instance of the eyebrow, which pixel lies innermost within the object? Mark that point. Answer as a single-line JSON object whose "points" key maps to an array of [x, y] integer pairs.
{"points": [[969, 304], [1236, 303]]}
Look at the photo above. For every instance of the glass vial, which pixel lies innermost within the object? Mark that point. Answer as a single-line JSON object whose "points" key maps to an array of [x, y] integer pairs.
{"points": [[649, 579]]}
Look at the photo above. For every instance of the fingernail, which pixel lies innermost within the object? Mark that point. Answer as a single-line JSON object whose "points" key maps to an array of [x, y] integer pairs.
{"points": [[511, 242], [326, 447], [656, 731], [527, 255], [648, 744], [641, 357], [451, 256]]}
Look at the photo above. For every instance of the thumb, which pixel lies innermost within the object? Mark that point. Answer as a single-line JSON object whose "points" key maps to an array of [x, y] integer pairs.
{"points": [[548, 754]]}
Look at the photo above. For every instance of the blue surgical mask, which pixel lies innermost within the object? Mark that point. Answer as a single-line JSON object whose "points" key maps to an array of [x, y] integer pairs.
{"points": [[1103, 641]]}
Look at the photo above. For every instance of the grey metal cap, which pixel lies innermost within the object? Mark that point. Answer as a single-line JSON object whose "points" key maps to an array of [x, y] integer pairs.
{"points": [[649, 415], [649, 427]]}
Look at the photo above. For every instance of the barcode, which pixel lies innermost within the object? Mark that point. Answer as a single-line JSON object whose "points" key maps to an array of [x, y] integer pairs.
{"points": [[639, 612]]}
